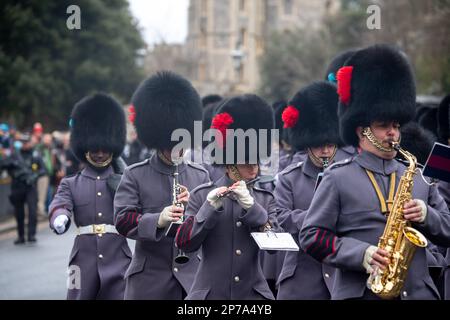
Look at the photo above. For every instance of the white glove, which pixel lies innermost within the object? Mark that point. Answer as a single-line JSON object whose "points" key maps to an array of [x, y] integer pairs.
{"points": [[166, 216], [243, 195], [368, 258], [424, 210], [213, 198], [59, 224]]}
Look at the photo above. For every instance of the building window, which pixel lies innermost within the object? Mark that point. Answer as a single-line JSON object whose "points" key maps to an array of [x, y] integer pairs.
{"points": [[243, 37], [204, 6], [201, 72], [287, 7], [241, 5]]}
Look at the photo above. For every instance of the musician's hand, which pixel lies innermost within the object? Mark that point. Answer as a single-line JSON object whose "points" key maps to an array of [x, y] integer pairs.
{"points": [[170, 214], [213, 197], [183, 197], [415, 210], [375, 258], [59, 224], [244, 198]]}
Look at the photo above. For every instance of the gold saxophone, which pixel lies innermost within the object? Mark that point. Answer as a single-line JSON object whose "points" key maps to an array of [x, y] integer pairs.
{"points": [[399, 239]]}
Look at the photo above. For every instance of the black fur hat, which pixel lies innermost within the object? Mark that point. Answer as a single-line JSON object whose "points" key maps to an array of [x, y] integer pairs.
{"points": [[278, 108], [335, 64], [210, 99], [208, 113], [417, 140], [444, 120], [244, 112], [163, 103], [427, 117], [97, 123], [312, 116], [376, 84]]}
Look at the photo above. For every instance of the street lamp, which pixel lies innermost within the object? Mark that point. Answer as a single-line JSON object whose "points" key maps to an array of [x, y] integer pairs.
{"points": [[237, 55]]}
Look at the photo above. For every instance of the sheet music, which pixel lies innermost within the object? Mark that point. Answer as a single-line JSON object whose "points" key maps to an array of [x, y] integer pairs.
{"points": [[281, 241]]}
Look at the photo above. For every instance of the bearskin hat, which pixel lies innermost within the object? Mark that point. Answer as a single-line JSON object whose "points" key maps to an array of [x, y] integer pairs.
{"points": [[444, 119], [243, 112], [312, 116], [97, 123], [376, 84], [163, 103], [427, 117], [417, 140], [208, 113], [335, 64], [210, 99]]}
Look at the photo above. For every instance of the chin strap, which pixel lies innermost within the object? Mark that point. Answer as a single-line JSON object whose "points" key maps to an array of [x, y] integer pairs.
{"points": [[98, 164], [368, 133], [321, 162]]}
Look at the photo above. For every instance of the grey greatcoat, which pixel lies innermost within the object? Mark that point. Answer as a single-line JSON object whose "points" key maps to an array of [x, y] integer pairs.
{"points": [[102, 260], [344, 219], [230, 267], [302, 277], [144, 191]]}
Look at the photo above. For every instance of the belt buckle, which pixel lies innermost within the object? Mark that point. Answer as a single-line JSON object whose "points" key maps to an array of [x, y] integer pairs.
{"points": [[99, 228]]}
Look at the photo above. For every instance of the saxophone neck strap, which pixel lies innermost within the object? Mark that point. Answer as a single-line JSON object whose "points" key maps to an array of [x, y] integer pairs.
{"points": [[386, 206]]}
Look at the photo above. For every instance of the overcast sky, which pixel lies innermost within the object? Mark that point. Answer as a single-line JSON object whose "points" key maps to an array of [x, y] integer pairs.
{"points": [[161, 19]]}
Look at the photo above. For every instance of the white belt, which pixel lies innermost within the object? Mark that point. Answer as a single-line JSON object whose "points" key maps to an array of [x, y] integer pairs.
{"points": [[97, 229]]}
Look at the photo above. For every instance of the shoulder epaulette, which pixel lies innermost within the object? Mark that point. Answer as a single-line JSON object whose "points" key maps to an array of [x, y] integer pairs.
{"points": [[341, 163], [202, 186], [255, 187], [291, 167], [197, 166], [137, 164]]}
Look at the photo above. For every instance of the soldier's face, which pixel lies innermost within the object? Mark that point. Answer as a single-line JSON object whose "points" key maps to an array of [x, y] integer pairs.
{"points": [[385, 132], [325, 151], [247, 171], [100, 156]]}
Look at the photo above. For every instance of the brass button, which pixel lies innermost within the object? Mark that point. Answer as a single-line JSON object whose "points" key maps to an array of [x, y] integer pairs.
{"points": [[99, 194], [236, 279], [98, 177], [327, 275], [405, 294], [99, 214], [100, 235], [175, 269], [238, 224], [238, 252], [100, 256]]}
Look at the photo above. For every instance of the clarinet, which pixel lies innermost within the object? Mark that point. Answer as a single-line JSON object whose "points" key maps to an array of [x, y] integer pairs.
{"points": [[325, 164], [181, 257]]}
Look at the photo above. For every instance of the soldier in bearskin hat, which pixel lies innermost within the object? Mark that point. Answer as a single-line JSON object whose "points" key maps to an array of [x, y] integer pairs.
{"points": [[144, 203], [311, 117], [348, 212], [100, 255], [221, 214]]}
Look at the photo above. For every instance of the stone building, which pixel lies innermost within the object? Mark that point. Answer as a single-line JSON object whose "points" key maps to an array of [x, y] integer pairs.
{"points": [[226, 38]]}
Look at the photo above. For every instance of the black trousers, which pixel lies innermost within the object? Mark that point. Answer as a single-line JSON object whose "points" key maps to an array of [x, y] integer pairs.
{"points": [[30, 198]]}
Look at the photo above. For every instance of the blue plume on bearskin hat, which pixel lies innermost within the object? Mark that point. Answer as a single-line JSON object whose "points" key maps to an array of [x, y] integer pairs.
{"points": [[335, 64], [97, 123], [376, 84], [163, 103]]}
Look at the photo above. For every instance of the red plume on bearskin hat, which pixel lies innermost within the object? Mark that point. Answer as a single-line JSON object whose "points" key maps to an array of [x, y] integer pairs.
{"points": [[376, 84]]}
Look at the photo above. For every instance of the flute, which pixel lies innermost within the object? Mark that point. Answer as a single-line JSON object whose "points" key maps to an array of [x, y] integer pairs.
{"points": [[231, 190]]}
